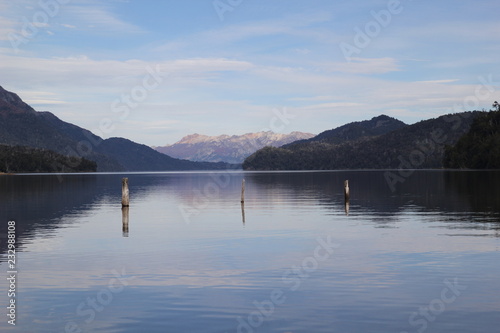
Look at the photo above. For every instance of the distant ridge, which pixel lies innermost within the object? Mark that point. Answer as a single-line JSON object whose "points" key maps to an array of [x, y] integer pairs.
{"points": [[226, 148], [376, 126], [373, 144], [21, 125]]}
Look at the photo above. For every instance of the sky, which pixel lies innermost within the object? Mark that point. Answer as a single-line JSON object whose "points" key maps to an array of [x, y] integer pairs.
{"points": [[155, 71]]}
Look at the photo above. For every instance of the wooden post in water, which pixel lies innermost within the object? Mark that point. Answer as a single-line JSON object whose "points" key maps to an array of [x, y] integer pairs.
{"points": [[346, 191], [125, 215], [243, 191], [346, 196], [125, 197]]}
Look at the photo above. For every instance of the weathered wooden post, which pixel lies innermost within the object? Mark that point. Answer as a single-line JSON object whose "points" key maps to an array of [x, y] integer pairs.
{"points": [[346, 191], [125, 211], [346, 197], [243, 191], [125, 197]]}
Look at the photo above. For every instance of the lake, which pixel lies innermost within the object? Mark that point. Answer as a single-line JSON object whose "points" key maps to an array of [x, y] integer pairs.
{"points": [[417, 254]]}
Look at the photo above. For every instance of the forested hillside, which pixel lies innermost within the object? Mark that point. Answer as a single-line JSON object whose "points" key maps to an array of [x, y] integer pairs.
{"points": [[25, 159], [420, 145], [480, 147], [349, 132]]}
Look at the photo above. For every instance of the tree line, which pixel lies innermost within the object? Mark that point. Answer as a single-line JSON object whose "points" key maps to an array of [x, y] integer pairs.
{"points": [[18, 159], [425, 143], [480, 147]]}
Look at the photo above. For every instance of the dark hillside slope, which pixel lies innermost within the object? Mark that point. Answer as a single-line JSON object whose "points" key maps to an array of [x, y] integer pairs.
{"points": [[376, 126], [136, 157], [21, 125], [420, 145]]}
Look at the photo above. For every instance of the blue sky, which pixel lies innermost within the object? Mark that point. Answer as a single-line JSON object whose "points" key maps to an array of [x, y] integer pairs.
{"points": [[155, 71]]}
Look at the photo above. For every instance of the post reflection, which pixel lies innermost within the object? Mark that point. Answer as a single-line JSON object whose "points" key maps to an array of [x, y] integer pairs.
{"points": [[125, 220], [243, 212]]}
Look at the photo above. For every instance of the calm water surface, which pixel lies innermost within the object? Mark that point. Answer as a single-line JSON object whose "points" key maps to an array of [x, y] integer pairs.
{"points": [[422, 258]]}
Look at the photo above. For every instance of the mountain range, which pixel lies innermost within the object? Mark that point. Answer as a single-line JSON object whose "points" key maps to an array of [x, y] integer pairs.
{"points": [[21, 125], [380, 143], [226, 148], [34, 141]]}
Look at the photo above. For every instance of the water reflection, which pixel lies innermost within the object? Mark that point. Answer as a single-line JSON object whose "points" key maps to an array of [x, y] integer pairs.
{"points": [[479, 190], [444, 192], [125, 220], [201, 274], [39, 203], [243, 212]]}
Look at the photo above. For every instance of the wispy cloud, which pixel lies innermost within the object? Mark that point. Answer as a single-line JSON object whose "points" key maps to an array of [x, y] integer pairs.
{"points": [[6, 28], [294, 25], [69, 77], [332, 105], [100, 20], [69, 26], [440, 81], [313, 98], [364, 66], [462, 31]]}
